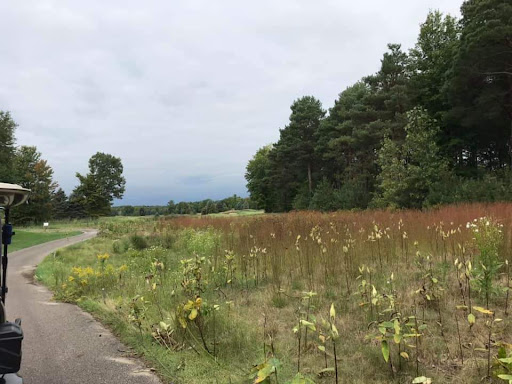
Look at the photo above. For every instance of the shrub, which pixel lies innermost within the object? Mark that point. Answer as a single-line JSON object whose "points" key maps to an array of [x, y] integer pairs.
{"points": [[138, 242]]}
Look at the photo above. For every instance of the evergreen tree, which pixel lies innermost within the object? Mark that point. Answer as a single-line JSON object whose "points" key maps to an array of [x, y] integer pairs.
{"points": [[481, 86], [347, 144], [325, 197], [34, 173], [293, 158], [60, 205], [7, 147]]}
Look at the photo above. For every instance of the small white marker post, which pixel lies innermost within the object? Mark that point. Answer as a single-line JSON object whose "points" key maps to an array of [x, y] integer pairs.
{"points": [[46, 225]]}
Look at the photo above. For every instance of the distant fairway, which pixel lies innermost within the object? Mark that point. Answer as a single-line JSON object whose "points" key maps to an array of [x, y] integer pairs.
{"points": [[242, 212], [25, 239]]}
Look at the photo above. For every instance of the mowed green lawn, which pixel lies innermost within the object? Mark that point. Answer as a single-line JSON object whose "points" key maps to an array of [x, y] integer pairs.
{"points": [[25, 239]]}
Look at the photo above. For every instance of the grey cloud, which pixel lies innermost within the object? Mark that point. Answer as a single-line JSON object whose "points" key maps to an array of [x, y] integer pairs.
{"points": [[183, 91]]}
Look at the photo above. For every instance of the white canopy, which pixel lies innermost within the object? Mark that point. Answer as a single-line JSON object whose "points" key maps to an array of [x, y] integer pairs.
{"points": [[12, 194]]}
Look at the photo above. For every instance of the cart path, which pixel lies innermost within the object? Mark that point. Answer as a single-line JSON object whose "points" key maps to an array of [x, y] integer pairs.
{"points": [[62, 344]]}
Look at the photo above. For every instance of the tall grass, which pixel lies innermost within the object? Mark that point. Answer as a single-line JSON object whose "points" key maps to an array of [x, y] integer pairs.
{"points": [[228, 293]]}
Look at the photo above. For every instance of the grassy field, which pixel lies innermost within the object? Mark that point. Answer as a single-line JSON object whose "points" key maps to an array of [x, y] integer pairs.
{"points": [[28, 238], [348, 297]]}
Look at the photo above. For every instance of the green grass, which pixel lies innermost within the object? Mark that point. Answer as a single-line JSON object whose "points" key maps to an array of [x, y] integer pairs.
{"points": [[184, 366], [29, 238]]}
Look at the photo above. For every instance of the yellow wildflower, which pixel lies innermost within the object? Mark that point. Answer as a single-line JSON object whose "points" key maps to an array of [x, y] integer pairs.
{"points": [[103, 256]]}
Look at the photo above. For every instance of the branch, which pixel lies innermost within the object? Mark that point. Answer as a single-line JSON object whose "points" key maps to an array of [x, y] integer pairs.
{"points": [[496, 73]]}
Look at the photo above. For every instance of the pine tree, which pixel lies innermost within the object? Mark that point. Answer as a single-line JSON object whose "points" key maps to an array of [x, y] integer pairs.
{"points": [[7, 147]]}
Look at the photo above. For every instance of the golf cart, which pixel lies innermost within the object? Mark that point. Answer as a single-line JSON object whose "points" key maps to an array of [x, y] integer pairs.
{"points": [[11, 334]]}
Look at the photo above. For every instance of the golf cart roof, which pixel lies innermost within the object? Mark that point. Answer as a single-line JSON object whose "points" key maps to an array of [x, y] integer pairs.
{"points": [[12, 194]]}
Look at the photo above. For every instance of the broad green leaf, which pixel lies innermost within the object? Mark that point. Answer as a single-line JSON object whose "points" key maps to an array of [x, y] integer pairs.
{"points": [[332, 312], [397, 327], [322, 348], [506, 360], [385, 350], [264, 373], [334, 331], [308, 325]]}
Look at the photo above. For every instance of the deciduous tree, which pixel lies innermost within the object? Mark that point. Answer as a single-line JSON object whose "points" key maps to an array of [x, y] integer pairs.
{"points": [[409, 170], [101, 185]]}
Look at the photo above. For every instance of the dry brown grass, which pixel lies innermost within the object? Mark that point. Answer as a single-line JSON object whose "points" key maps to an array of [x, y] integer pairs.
{"points": [[278, 258], [270, 283]]}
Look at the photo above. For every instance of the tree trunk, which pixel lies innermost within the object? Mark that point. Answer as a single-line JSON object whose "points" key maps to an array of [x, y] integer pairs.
{"points": [[310, 180]]}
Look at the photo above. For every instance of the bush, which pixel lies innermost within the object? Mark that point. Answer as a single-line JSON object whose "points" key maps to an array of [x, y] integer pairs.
{"points": [[454, 189], [325, 197], [138, 242], [302, 199]]}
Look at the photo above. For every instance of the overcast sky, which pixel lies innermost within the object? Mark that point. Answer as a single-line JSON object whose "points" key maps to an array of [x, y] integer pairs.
{"points": [[184, 91]]}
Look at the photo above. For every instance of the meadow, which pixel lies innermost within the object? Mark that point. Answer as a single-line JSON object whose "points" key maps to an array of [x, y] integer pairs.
{"points": [[305, 297]]}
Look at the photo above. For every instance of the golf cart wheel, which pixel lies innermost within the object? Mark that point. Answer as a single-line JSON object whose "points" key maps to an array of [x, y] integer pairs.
{"points": [[2, 313]]}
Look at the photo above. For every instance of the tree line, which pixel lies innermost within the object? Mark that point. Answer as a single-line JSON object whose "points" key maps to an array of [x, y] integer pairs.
{"points": [[24, 165], [204, 207], [208, 206], [432, 126]]}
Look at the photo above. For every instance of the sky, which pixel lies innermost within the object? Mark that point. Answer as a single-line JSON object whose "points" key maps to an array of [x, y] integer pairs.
{"points": [[183, 91]]}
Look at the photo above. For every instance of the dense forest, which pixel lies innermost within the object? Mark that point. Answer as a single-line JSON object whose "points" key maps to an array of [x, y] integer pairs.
{"points": [[432, 126]]}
